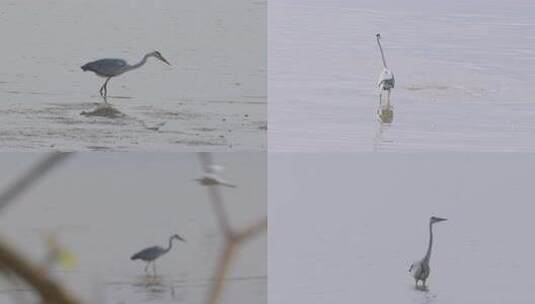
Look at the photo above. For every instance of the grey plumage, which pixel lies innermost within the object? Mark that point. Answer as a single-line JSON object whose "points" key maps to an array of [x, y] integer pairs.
{"points": [[420, 270], [106, 67], [386, 80], [111, 67], [150, 254]]}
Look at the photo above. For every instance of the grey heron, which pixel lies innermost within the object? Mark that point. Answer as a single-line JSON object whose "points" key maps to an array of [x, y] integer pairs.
{"points": [[150, 254], [386, 80], [111, 67], [420, 270]]}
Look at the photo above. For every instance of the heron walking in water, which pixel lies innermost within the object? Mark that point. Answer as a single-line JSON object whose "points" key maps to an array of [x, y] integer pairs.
{"points": [[386, 80], [150, 254], [110, 67], [420, 270]]}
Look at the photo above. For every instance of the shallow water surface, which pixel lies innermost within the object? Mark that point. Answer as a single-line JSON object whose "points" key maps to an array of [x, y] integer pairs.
{"points": [[346, 228], [462, 72], [213, 97], [105, 207]]}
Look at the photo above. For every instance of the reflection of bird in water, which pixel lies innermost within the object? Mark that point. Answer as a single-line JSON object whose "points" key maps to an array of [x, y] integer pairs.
{"points": [[380, 139], [150, 254], [420, 270], [386, 78], [109, 68], [211, 177]]}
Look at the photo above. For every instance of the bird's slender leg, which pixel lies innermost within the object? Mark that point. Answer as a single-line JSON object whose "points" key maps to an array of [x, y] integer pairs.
{"points": [[147, 266], [380, 98], [154, 267], [388, 99], [104, 89]]}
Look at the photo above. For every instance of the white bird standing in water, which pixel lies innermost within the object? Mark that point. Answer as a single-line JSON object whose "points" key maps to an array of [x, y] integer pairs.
{"points": [[420, 270], [386, 80], [111, 67]]}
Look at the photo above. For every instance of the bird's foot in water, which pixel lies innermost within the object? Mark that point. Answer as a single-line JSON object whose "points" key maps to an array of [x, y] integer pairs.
{"points": [[421, 288]]}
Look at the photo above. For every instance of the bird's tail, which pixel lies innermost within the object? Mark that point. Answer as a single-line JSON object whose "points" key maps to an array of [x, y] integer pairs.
{"points": [[134, 257], [85, 67]]}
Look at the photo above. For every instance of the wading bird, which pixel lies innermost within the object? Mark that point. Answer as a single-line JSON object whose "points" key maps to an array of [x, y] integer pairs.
{"points": [[150, 254], [110, 67], [420, 270], [386, 80]]}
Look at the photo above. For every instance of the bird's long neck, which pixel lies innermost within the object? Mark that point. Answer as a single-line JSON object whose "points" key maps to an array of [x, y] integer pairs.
{"points": [[428, 254], [382, 54], [170, 244], [140, 63]]}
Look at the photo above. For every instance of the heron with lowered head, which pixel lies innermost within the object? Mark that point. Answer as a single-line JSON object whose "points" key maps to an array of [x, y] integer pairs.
{"points": [[111, 67], [150, 254]]}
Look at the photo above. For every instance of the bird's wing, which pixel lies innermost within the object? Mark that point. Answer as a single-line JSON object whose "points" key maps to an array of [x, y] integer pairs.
{"points": [[386, 75], [415, 268], [107, 67], [148, 253]]}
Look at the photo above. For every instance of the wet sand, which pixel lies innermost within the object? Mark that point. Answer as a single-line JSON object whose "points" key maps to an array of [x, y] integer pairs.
{"points": [[212, 98]]}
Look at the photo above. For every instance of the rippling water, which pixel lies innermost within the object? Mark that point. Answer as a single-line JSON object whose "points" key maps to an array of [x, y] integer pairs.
{"points": [[106, 207], [345, 228], [462, 75], [213, 97]]}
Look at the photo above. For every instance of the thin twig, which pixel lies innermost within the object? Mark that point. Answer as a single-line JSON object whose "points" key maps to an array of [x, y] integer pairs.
{"points": [[216, 197], [50, 291], [252, 231], [232, 239], [31, 177]]}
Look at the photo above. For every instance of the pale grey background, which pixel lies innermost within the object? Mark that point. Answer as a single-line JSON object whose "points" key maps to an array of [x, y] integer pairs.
{"points": [[463, 75], [344, 228], [105, 207], [213, 97]]}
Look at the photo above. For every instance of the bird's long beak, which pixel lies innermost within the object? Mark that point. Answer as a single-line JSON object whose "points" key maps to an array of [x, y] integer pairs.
{"points": [[164, 60], [441, 219]]}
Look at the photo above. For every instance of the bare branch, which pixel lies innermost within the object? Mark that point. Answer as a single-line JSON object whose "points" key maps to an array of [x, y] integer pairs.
{"points": [[252, 230], [50, 291], [222, 268], [216, 197], [31, 177]]}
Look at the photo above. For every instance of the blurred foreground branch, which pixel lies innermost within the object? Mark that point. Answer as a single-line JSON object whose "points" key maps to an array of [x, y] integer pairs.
{"points": [[13, 262], [32, 176], [50, 291], [233, 241], [233, 238]]}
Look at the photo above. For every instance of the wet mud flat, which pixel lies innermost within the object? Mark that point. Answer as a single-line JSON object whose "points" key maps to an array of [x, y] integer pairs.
{"points": [[127, 124], [212, 97]]}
